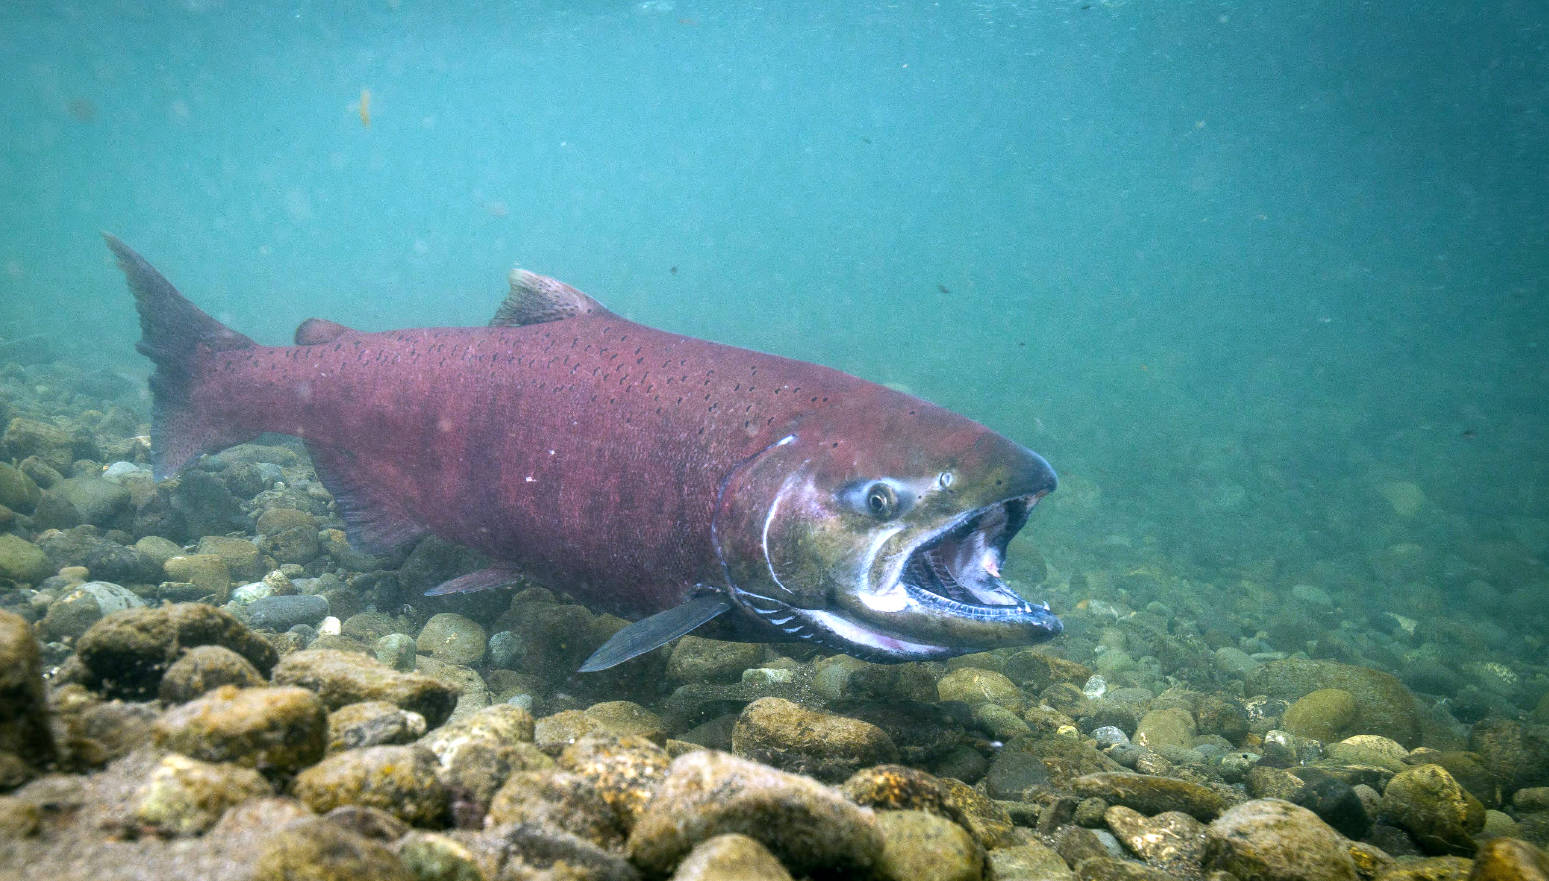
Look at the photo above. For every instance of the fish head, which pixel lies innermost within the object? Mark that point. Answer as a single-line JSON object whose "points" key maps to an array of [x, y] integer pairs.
{"points": [[881, 533]]}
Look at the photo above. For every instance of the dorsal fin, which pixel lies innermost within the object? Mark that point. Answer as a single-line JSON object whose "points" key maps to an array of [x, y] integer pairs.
{"points": [[535, 299], [319, 330]]}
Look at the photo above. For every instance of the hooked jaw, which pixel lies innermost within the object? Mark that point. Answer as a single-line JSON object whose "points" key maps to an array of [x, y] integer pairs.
{"points": [[939, 596]]}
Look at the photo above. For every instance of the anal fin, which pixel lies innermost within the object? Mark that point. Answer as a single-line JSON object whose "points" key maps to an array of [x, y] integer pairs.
{"points": [[371, 521], [657, 630]]}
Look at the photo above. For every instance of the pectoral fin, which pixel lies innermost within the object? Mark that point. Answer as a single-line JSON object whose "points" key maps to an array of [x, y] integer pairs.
{"points": [[659, 629]]}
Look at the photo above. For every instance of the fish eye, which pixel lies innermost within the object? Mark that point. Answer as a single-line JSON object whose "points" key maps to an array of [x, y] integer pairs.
{"points": [[944, 480], [881, 501]]}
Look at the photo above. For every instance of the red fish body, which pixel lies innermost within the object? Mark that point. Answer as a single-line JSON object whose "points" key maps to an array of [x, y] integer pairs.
{"points": [[633, 468]]}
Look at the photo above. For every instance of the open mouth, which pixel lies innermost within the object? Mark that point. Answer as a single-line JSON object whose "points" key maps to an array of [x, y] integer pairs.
{"points": [[946, 598], [961, 563]]}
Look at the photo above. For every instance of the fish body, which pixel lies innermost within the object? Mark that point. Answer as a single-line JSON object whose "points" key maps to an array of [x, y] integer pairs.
{"points": [[648, 474]]}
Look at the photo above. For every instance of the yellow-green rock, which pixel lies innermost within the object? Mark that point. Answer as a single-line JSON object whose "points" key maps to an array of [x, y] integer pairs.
{"points": [[1323, 715], [920, 846]]}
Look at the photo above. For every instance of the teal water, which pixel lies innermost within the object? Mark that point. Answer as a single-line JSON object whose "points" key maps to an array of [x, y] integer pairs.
{"points": [[1248, 274]]}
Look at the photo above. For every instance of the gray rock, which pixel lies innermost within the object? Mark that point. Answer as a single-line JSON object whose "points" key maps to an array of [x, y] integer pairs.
{"points": [[1273, 840], [95, 500], [806, 825], [281, 613], [104, 558], [70, 616]]}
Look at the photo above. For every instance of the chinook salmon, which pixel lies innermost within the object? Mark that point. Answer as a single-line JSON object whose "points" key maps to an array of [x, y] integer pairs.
{"points": [[674, 481]]}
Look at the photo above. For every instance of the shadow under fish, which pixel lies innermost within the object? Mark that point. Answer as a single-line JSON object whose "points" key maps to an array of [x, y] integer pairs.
{"points": [[655, 476]]}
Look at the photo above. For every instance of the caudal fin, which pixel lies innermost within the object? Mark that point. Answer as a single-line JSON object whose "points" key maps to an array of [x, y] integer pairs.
{"points": [[175, 334]]}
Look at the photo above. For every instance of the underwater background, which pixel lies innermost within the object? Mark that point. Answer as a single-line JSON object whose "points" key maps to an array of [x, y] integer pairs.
{"points": [[1265, 282]]}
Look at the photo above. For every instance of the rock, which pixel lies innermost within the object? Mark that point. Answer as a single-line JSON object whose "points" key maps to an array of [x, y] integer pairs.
{"points": [[1015, 775], [1029, 862], [397, 650], [627, 718], [70, 616], [789, 736], [242, 558], [281, 613], [17, 491], [1170, 841], [1384, 705], [184, 796], [281, 729], [315, 849], [157, 549], [696, 659], [560, 800], [921, 846], [806, 825], [208, 572], [1324, 715], [1166, 727], [542, 853], [1152, 795], [1438, 813], [400, 780], [341, 678], [730, 857], [126, 653], [972, 685], [19, 818], [22, 561], [479, 752], [1369, 749], [204, 668], [1273, 840], [896, 787], [1106, 868], [26, 741], [288, 535], [372, 723], [29, 437], [106, 559], [431, 856], [624, 771], [1509, 859], [95, 500], [453, 638], [1333, 800], [1516, 754]]}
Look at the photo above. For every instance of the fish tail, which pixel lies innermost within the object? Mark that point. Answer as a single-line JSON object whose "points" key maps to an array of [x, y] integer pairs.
{"points": [[178, 337]]}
